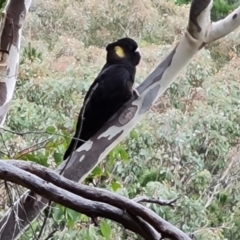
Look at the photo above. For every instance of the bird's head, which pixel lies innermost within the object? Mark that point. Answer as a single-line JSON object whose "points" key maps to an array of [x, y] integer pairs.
{"points": [[123, 50]]}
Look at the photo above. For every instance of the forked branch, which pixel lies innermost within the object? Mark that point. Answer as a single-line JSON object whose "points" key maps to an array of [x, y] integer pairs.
{"points": [[104, 196]]}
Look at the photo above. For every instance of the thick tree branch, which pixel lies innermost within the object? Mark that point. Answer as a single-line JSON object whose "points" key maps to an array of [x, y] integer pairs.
{"points": [[48, 190], [224, 27], [104, 196]]}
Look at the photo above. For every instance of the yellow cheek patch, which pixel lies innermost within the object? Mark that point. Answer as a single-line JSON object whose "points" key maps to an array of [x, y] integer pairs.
{"points": [[119, 52]]}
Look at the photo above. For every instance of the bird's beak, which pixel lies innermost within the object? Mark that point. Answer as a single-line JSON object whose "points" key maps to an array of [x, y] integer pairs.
{"points": [[138, 50]]}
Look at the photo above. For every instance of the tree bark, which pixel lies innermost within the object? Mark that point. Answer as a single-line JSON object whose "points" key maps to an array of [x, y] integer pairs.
{"points": [[11, 26], [66, 198], [99, 195]]}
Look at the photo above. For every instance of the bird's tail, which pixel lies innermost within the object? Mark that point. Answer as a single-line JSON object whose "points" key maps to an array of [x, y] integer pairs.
{"points": [[76, 142]]}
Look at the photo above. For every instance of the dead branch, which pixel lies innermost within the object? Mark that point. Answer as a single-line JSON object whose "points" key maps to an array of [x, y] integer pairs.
{"points": [[160, 202], [48, 190], [101, 195]]}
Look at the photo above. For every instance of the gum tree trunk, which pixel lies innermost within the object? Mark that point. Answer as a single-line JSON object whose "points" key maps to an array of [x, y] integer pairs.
{"points": [[13, 16]]}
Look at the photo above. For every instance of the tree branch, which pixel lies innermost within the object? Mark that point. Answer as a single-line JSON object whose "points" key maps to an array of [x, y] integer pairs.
{"points": [[48, 190], [104, 196], [160, 202], [224, 27]]}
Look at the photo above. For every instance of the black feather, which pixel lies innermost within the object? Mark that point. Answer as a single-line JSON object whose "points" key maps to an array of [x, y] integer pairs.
{"points": [[108, 93]]}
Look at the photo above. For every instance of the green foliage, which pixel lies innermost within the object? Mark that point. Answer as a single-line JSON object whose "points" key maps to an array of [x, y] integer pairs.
{"points": [[221, 8], [2, 4], [180, 2], [155, 175], [30, 54], [105, 229], [97, 28]]}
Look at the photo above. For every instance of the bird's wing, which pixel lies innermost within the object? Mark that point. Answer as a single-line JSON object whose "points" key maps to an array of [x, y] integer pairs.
{"points": [[75, 139], [113, 82], [111, 86]]}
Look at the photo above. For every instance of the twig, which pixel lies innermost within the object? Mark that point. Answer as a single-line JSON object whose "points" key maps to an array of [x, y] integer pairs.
{"points": [[32, 149], [22, 133], [37, 132], [12, 205], [4, 144], [160, 202], [51, 234], [44, 222]]}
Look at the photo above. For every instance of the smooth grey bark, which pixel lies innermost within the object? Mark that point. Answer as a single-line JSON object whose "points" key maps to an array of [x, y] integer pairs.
{"points": [[12, 19]]}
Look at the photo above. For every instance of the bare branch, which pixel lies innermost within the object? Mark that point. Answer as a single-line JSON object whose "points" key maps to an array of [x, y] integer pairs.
{"points": [[101, 195], [160, 202], [48, 190], [23, 133]]}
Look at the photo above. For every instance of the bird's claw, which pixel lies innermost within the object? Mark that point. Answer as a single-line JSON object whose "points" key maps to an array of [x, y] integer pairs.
{"points": [[136, 93]]}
